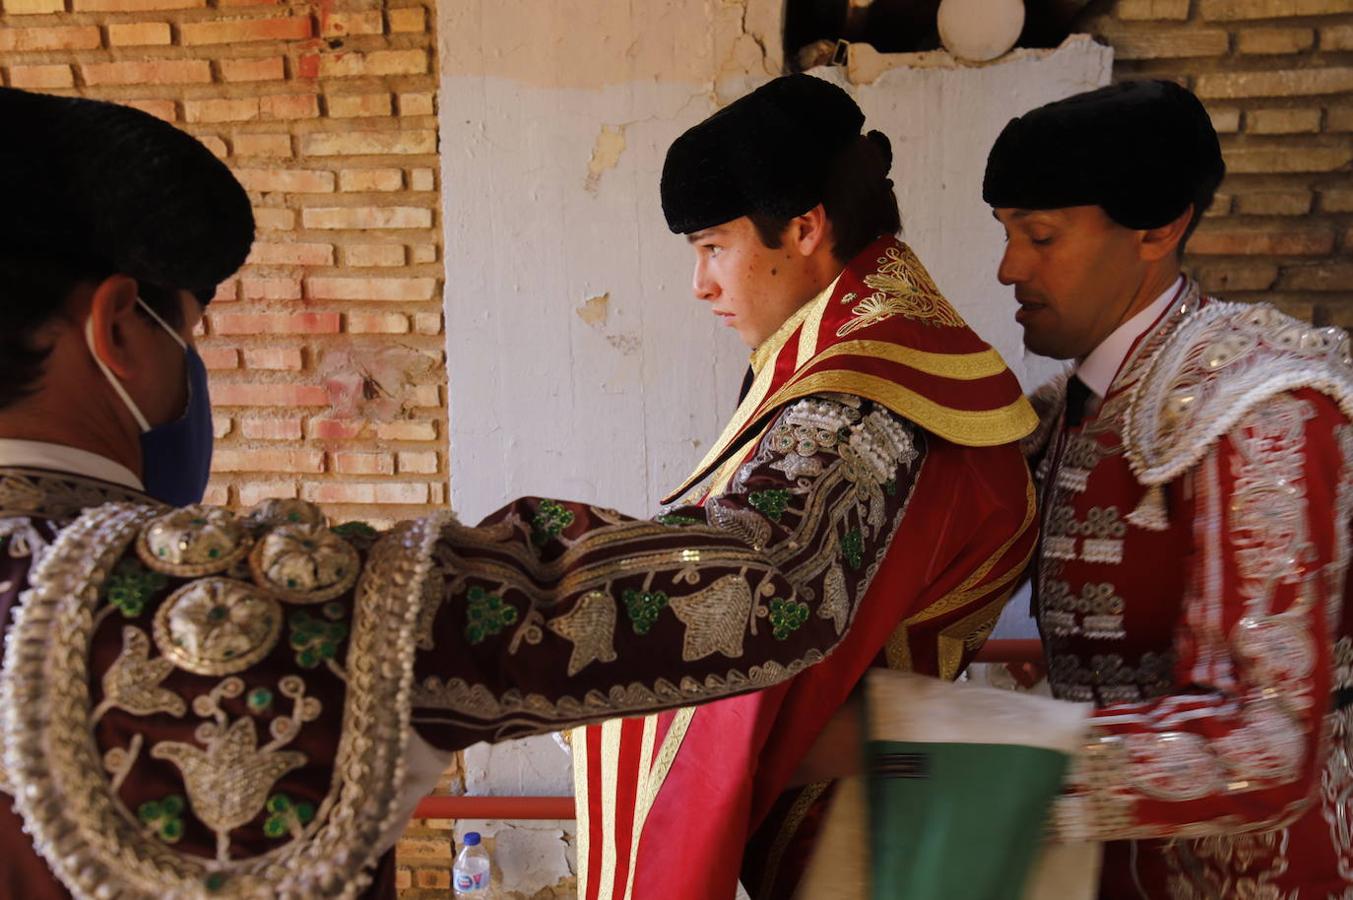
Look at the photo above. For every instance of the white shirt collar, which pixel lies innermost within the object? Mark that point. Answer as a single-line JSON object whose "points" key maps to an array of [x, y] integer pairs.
{"points": [[60, 458], [1099, 369]]}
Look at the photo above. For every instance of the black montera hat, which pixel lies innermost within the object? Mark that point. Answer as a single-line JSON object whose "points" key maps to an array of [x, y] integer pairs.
{"points": [[1141, 150], [766, 153], [109, 188]]}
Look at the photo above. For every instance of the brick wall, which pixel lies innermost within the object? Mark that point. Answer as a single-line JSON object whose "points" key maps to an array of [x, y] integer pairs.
{"points": [[326, 352], [1277, 77]]}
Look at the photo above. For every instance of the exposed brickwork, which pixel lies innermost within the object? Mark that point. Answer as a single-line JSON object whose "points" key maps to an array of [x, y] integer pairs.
{"points": [[1277, 77], [326, 112]]}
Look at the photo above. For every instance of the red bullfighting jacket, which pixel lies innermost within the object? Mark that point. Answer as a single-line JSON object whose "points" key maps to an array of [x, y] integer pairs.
{"points": [[1191, 583]]}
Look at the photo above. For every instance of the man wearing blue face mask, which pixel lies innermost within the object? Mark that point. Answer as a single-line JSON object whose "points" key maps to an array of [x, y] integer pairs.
{"points": [[111, 245], [194, 703]]}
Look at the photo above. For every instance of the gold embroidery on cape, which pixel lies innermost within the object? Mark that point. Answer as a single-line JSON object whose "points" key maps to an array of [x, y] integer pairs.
{"points": [[715, 618], [132, 682], [901, 288], [228, 782], [217, 626], [590, 628], [971, 428], [958, 366]]}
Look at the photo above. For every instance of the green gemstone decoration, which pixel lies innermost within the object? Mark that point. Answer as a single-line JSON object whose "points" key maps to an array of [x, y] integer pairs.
{"points": [[770, 504], [786, 617], [852, 548], [131, 586], [890, 487], [550, 521], [334, 611], [355, 530], [286, 816], [214, 882], [643, 608], [259, 700], [486, 615], [679, 521], [163, 817], [314, 640]]}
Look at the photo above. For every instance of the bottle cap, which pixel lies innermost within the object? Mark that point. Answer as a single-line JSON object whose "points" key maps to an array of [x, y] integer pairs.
{"points": [[472, 839]]}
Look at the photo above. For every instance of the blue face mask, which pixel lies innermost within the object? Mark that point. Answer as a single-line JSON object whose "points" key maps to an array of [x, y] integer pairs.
{"points": [[175, 456]]}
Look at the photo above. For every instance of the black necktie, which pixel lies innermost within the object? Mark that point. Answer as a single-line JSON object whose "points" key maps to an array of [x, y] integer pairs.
{"points": [[747, 380], [1077, 393]]}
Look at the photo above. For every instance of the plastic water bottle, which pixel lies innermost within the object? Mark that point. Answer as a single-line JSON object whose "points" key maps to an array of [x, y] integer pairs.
{"points": [[471, 874]]}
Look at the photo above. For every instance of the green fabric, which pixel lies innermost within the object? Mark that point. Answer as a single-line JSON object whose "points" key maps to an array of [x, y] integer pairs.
{"points": [[957, 820]]}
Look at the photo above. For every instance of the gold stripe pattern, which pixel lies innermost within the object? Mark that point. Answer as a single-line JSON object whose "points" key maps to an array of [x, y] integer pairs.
{"points": [[582, 812], [958, 366], [812, 323], [970, 428], [654, 776]]}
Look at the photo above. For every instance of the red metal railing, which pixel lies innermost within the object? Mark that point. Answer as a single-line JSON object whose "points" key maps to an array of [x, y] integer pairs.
{"points": [[1007, 651]]}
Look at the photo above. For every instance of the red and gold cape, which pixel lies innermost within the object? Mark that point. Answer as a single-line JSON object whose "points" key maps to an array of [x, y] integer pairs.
{"points": [[666, 803]]}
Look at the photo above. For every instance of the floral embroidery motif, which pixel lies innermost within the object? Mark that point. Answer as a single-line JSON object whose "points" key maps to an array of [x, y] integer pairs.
{"points": [[852, 548], [786, 617], [229, 781], [486, 615], [549, 522], [643, 608], [304, 563], [314, 640], [279, 511], [286, 818], [901, 288], [164, 818], [715, 618], [131, 585], [590, 628], [193, 541], [132, 682], [770, 503], [217, 626]]}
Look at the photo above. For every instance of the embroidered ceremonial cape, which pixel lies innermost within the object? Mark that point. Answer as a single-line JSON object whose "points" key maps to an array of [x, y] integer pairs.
{"points": [[1191, 583], [954, 527], [198, 703]]}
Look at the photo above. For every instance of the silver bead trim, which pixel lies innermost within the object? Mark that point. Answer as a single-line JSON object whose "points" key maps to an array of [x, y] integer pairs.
{"points": [[95, 847]]}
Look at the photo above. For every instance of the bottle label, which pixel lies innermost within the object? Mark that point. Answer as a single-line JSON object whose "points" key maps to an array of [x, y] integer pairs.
{"points": [[466, 881]]}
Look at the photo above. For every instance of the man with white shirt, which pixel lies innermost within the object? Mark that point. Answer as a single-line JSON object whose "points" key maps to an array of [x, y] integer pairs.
{"points": [[1196, 477]]}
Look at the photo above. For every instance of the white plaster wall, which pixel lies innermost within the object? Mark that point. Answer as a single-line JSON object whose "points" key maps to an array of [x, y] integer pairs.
{"points": [[579, 366]]}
